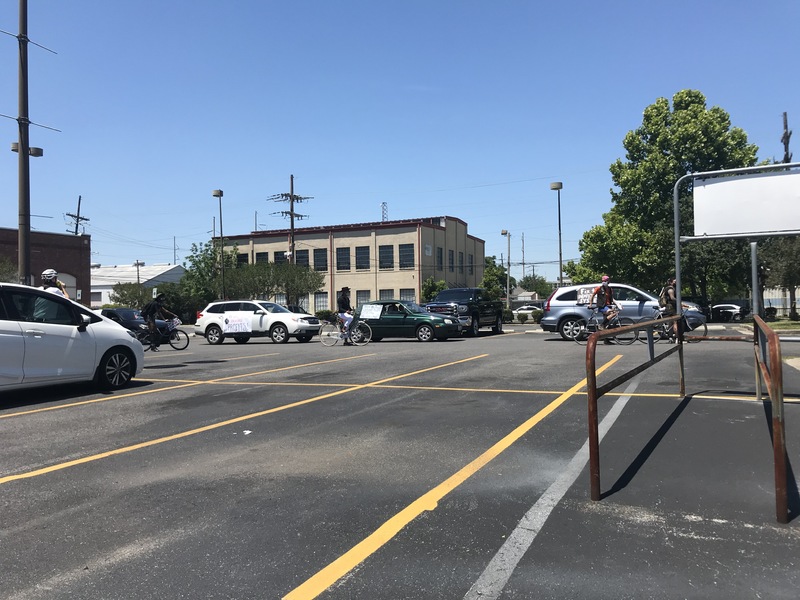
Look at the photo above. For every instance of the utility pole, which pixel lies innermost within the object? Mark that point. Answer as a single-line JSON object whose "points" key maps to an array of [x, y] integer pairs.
{"points": [[291, 199], [78, 218], [787, 156]]}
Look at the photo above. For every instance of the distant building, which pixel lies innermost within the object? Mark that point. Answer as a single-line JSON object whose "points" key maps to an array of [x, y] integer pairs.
{"points": [[105, 278], [68, 254], [379, 260]]}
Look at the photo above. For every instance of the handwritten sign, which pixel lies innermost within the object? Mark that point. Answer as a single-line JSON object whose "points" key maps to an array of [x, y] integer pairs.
{"points": [[237, 321], [371, 311], [584, 294]]}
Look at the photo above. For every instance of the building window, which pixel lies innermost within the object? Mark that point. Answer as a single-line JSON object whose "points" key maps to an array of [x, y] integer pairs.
{"points": [[470, 264], [386, 257], [241, 259], [408, 294], [385, 294], [320, 260], [280, 298], [321, 301], [343, 259], [461, 262], [302, 258], [280, 258], [406, 252], [262, 257], [362, 296], [439, 258], [451, 259], [362, 258], [302, 302]]}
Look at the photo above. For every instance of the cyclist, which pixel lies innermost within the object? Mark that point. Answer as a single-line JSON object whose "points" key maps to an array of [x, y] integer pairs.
{"points": [[606, 303], [51, 283], [153, 310], [345, 312]]}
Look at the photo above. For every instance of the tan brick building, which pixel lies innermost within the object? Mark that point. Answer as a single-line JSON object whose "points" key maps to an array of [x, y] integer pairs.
{"points": [[381, 260]]}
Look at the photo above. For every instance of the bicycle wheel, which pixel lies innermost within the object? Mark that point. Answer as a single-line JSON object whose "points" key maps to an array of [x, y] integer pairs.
{"points": [[661, 331], [582, 332], [329, 334], [144, 338], [178, 339], [694, 336], [360, 334], [628, 337]]}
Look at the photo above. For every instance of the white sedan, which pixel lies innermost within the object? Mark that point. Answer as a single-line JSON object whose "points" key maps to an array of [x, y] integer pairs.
{"points": [[46, 339]]}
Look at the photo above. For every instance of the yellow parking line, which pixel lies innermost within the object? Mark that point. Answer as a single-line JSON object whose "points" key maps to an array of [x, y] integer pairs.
{"points": [[340, 567], [183, 434], [186, 383]]}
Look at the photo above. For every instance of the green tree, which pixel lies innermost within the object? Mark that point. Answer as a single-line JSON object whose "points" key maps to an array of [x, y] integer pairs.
{"points": [[133, 295], [636, 242], [8, 270], [536, 283], [203, 276], [494, 279], [430, 288], [782, 255]]}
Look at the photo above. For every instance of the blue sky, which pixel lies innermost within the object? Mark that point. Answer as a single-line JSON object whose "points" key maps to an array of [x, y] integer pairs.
{"points": [[460, 108]]}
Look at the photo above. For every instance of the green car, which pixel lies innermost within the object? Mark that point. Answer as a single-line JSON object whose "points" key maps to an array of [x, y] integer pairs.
{"points": [[399, 318]]}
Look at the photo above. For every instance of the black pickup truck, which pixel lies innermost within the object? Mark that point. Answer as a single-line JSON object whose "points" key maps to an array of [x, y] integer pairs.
{"points": [[473, 308]]}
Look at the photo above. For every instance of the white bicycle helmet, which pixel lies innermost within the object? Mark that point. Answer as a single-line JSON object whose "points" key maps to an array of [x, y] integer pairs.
{"points": [[49, 274]]}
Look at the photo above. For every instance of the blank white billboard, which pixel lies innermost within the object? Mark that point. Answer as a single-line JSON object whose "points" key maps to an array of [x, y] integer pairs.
{"points": [[742, 204]]}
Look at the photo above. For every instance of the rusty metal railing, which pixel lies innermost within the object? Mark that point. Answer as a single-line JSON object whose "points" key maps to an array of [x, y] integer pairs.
{"points": [[594, 392], [769, 367]]}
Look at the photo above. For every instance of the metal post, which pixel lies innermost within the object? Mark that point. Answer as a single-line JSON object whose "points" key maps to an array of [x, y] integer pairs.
{"points": [[218, 194], [507, 234], [557, 185]]}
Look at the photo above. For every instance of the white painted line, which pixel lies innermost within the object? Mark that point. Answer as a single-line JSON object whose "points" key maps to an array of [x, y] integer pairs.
{"points": [[494, 578]]}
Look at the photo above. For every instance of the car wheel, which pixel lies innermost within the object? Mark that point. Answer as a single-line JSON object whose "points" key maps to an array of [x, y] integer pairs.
{"points": [[570, 327], [242, 339], [737, 317], [425, 333], [475, 327], [303, 338], [214, 335], [116, 369], [279, 334], [498, 325]]}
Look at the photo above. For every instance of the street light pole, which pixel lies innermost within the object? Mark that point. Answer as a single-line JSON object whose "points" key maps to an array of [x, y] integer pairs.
{"points": [[138, 264], [557, 185], [507, 233], [218, 194]]}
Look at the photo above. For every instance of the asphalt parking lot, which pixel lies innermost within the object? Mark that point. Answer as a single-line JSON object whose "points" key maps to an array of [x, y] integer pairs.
{"points": [[399, 470]]}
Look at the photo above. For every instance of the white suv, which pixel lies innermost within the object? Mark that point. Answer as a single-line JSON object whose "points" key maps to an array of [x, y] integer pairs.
{"points": [[243, 319]]}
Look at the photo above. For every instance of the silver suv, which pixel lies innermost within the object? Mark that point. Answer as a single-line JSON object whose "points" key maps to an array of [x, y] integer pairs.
{"points": [[243, 319], [567, 305]]}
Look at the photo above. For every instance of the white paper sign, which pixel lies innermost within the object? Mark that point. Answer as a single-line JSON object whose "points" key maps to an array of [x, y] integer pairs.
{"points": [[237, 321], [371, 311]]}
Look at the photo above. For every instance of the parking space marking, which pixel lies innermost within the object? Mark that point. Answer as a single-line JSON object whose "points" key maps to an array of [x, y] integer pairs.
{"points": [[325, 578], [495, 576], [183, 384], [213, 426]]}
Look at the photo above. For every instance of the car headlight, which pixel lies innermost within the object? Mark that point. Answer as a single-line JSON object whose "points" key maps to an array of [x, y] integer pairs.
{"points": [[462, 308], [448, 321]]}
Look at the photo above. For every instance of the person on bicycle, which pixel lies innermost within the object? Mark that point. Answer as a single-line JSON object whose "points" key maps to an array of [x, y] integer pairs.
{"points": [[153, 310], [671, 305], [606, 303], [50, 283], [345, 311]]}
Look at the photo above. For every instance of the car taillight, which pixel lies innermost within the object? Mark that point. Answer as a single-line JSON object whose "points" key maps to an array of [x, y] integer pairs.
{"points": [[199, 315], [547, 302]]}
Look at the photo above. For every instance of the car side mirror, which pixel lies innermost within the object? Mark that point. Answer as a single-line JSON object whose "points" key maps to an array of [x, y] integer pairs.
{"points": [[85, 321]]}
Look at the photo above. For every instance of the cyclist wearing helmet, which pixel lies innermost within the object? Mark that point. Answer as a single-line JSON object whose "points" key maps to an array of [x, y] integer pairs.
{"points": [[51, 283]]}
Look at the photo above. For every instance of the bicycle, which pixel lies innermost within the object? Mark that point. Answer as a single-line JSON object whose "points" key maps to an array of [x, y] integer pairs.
{"points": [[330, 333], [173, 336], [666, 331], [594, 323]]}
